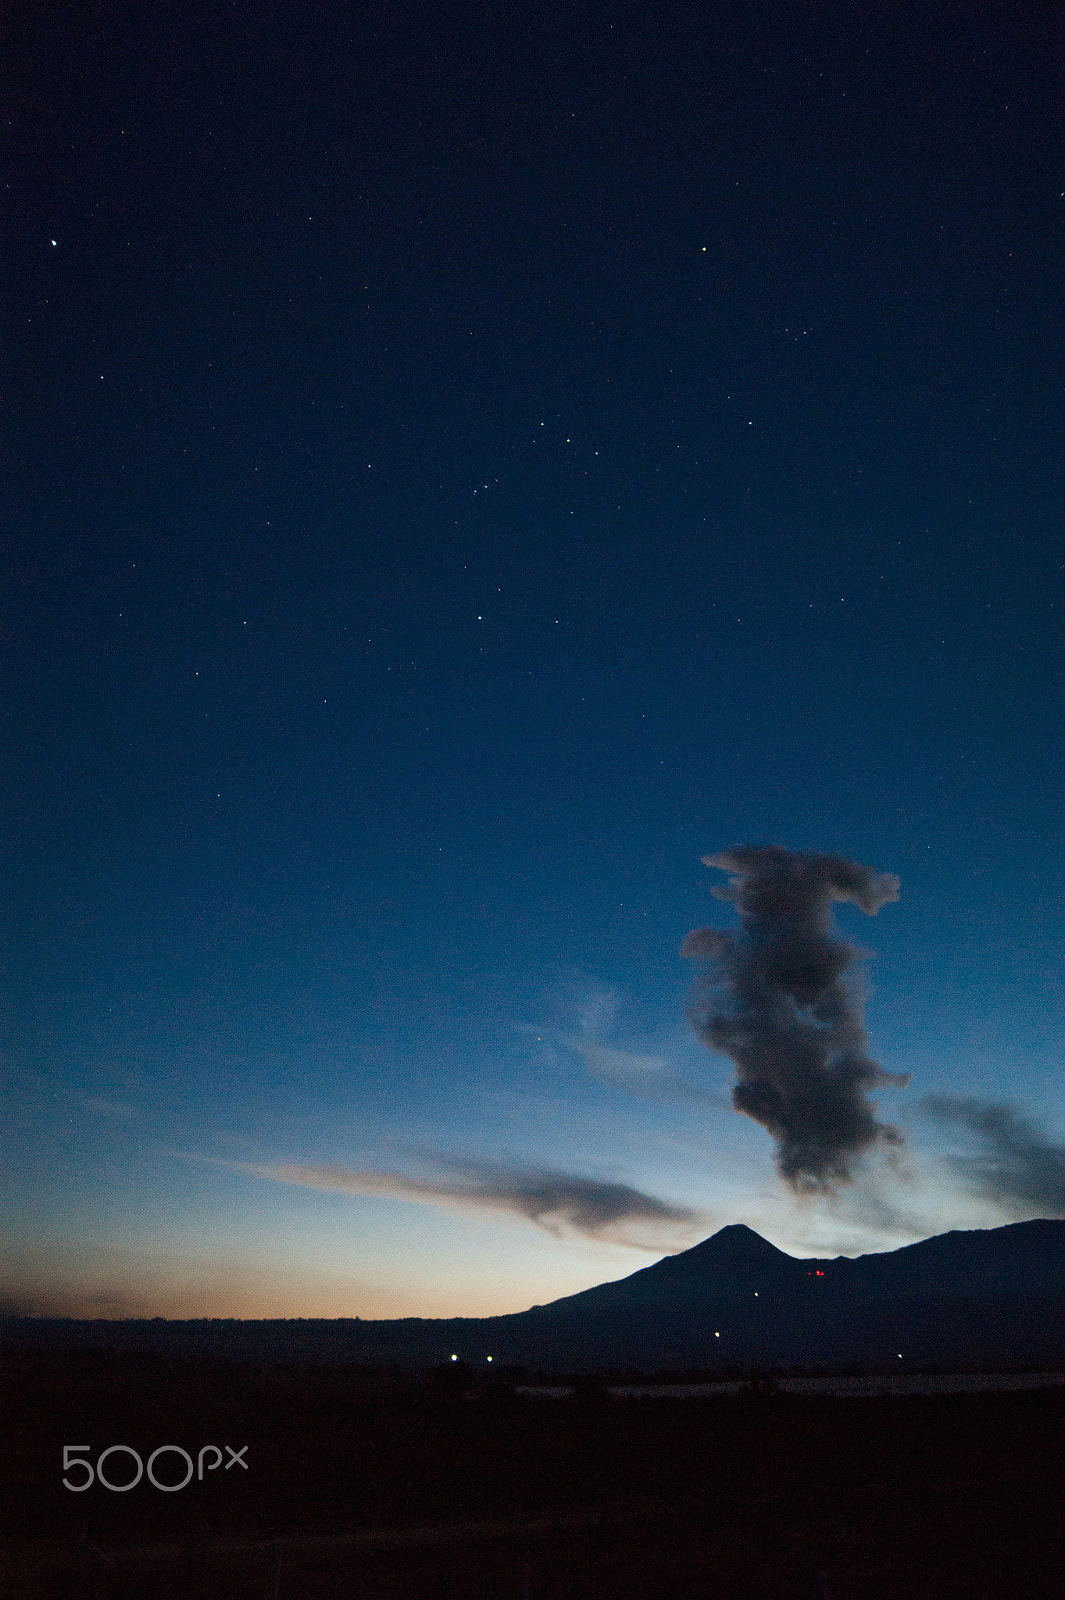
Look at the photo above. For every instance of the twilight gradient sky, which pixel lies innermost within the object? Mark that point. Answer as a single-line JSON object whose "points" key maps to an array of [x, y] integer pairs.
{"points": [[464, 464]]}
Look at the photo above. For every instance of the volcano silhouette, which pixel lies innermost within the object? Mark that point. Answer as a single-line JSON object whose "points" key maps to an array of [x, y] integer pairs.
{"points": [[985, 1297]]}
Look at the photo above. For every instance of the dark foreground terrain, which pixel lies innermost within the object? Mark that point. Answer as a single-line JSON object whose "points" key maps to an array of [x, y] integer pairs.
{"points": [[381, 1486]]}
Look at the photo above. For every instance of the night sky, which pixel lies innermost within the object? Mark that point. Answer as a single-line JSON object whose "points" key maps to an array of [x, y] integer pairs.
{"points": [[461, 466]]}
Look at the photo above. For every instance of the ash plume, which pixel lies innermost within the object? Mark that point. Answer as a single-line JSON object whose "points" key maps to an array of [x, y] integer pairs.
{"points": [[777, 999]]}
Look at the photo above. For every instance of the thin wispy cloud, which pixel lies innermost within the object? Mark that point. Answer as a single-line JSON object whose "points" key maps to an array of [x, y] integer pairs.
{"points": [[563, 1204], [649, 1077], [101, 1107]]}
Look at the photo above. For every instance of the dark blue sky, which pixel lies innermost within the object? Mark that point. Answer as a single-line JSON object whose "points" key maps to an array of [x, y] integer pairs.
{"points": [[463, 464]]}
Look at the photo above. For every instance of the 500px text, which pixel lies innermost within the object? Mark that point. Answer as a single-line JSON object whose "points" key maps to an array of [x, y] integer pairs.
{"points": [[73, 1456]]}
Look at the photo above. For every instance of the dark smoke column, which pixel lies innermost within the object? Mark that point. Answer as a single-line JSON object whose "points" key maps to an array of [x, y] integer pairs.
{"points": [[775, 998]]}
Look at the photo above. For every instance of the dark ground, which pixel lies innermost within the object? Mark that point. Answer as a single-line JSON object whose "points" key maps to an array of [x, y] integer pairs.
{"points": [[367, 1485]]}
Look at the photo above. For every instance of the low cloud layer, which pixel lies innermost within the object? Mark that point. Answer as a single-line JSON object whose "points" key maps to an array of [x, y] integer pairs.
{"points": [[560, 1203], [1017, 1167], [777, 999]]}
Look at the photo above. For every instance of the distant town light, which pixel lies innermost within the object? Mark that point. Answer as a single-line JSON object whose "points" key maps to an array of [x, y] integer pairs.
{"points": [[454, 1358], [488, 1358]]}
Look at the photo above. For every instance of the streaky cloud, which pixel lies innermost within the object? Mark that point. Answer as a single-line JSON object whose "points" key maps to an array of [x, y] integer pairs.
{"points": [[1019, 1169], [560, 1203]]}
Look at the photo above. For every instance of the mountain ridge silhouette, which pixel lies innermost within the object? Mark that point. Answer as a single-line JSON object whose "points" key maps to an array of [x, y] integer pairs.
{"points": [[978, 1298]]}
